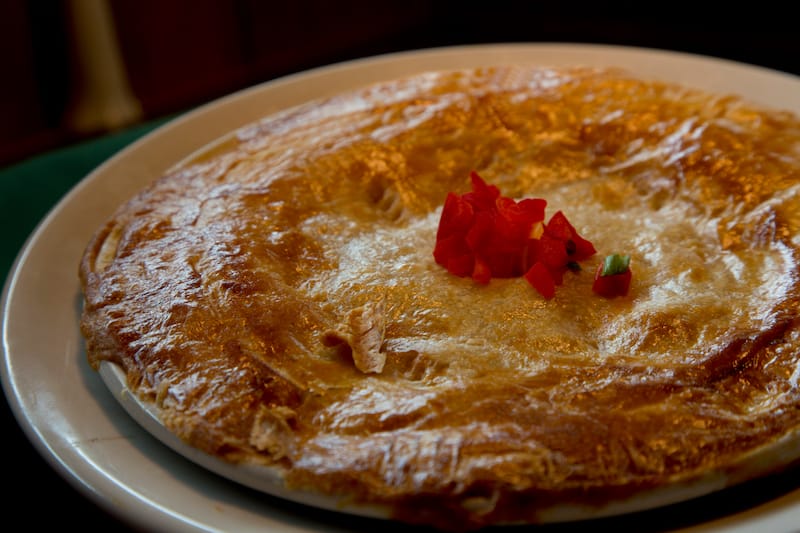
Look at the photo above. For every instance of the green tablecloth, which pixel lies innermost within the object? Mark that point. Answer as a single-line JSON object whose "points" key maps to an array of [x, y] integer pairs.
{"points": [[28, 190]]}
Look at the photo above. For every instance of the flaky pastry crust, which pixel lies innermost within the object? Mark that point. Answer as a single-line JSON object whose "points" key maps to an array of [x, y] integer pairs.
{"points": [[278, 300]]}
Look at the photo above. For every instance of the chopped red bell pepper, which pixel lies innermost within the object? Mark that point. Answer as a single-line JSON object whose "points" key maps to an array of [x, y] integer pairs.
{"points": [[483, 234], [613, 276], [481, 272], [577, 247], [540, 279]]}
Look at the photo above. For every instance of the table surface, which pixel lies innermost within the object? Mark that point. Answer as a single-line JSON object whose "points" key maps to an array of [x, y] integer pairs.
{"points": [[28, 190]]}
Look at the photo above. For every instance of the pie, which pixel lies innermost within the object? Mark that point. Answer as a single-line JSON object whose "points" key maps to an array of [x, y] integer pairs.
{"points": [[276, 298]]}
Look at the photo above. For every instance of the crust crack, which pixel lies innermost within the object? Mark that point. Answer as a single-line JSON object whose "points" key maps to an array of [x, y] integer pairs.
{"points": [[363, 333]]}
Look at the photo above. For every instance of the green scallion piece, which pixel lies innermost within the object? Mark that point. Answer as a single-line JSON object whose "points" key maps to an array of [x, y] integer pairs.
{"points": [[615, 264]]}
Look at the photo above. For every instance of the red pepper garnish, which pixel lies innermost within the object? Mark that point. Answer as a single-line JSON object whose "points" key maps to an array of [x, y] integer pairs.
{"points": [[540, 279], [613, 276], [483, 234]]}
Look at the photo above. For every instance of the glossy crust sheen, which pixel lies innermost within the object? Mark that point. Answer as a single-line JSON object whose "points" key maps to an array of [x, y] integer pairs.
{"points": [[277, 297]]}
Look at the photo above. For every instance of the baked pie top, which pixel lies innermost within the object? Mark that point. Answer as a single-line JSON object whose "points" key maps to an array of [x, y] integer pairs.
{"points": [[276, 296]]}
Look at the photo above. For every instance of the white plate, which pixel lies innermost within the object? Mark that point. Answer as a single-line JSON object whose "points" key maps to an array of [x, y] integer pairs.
{"points": [[80, 428]]}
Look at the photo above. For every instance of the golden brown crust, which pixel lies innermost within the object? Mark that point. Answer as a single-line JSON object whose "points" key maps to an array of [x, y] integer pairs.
{"points": [[223, 288]]}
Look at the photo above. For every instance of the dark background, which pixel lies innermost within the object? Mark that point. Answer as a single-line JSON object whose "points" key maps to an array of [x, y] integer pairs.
{"points": [[177, 54]]}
